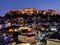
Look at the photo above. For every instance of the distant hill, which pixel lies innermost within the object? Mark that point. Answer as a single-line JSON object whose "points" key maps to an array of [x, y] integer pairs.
{"points": [[31, 12]]}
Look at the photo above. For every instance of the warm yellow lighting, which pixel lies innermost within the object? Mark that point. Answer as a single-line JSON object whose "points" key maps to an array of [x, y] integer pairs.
{"points": [[42, 28], [10, 30], [25, 44]]}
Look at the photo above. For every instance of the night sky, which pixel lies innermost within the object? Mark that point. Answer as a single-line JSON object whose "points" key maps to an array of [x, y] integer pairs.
{"points": [[6, 5]]}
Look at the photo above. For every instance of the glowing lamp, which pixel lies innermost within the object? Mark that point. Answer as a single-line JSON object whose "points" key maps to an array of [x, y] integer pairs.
{"points": [[42, 28], [29, 30], [10, 30]]}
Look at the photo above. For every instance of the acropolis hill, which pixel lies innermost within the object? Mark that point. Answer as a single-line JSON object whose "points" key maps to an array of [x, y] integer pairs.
{"points": [[32, 12]]}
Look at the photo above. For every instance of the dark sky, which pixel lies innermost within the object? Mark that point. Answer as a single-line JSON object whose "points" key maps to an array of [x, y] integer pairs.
{"points": [[6, 5]]}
